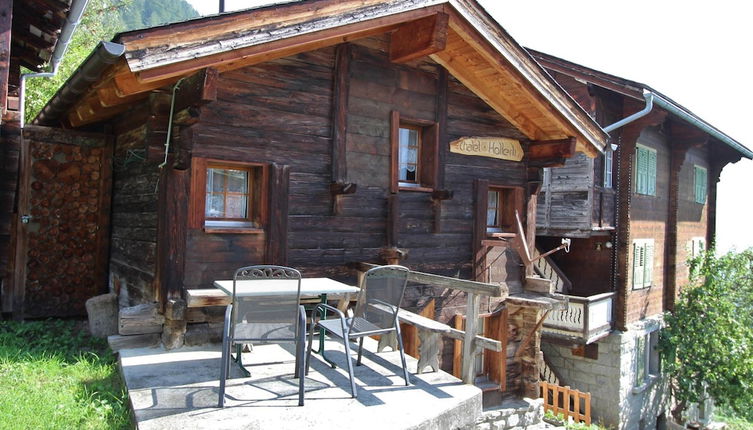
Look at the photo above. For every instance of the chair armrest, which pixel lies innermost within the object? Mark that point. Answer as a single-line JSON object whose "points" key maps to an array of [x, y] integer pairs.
{"points": [[330, 308]]}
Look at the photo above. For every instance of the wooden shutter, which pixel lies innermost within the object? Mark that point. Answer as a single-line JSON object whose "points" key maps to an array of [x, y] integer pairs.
{"points": [[651, 172], [648, 263], [638, 260], [700, 184], [641, 170]]}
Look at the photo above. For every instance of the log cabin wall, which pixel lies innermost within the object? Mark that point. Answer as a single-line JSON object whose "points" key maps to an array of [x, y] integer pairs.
{"points": [[692, 217], [588, 265], [280, 113], [134, 210], [648, 220]]}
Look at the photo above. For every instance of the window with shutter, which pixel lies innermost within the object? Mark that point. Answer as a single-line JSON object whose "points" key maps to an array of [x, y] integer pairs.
{"points": [[643, 263], [645, 170], [608, 162], [701, 184]]}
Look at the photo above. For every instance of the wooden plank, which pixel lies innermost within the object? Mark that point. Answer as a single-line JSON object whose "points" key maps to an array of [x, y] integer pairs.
{"points": [[457, 352], [550, 153], [277, 239], [140, 319], [197, 89], [481, 195], [419, 38], [393, 220], [172, 213], [118, 342], [448, 282], [343, 55], [6, 19], [394, 148], [469, 347], [198, 298]]}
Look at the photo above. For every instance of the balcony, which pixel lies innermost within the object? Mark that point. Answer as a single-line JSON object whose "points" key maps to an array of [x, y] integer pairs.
{"points": [[585, 320]]}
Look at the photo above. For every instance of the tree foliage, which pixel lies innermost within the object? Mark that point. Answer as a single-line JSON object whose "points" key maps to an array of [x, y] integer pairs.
{"points": [[708, 342], [101, 21]]}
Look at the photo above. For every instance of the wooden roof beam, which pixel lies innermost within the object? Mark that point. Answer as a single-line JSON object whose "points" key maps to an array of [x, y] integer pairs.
{"points": [[284, 47], [419, 38], [549, 153]]}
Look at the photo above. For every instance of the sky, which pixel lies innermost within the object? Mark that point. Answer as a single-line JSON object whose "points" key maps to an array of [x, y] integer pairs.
{"points": [[695, 52]]}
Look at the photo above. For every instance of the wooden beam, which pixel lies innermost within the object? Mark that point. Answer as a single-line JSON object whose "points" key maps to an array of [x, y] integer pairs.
{"points": [[546, 153], [277, 231], [283, 47], [419, 38], [343, 55], [6, 19], [197, 89]]}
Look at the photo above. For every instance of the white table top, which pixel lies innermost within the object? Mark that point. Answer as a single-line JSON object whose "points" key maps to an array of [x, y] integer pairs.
{"points": [[267, 287]]}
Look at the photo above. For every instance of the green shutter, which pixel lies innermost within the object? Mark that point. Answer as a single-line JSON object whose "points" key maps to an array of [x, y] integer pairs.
{"points": [[701, 184], [648, 264], [638, 255], [640, 170], [651, 173]]}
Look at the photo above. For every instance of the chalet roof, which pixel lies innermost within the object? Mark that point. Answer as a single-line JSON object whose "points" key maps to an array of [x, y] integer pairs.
{"points": [[636, 90], [36, 27], [458, 34]]}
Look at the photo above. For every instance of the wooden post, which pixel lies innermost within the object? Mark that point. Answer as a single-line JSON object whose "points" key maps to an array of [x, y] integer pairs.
{"points": [[533, 198], [6, 20], [277, 233], [481, 192], [341, 91], [172, 230], [471, 330]]}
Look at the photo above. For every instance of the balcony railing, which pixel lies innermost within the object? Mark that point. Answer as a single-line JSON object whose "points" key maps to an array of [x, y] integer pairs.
{"points": [[585, 319]]}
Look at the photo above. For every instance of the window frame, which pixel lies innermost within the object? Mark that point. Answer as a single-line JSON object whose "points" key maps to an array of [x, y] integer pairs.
{"points": [[509, 198], [647, 185], [608, 167], [427, 169], [700, 189], [257, 201], [419, 131], [250, 180], [643, 258], [697, 246], [649, 360]]}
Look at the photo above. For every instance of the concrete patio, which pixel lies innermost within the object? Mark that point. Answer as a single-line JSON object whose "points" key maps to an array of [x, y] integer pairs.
{"points": [[178, 389]]}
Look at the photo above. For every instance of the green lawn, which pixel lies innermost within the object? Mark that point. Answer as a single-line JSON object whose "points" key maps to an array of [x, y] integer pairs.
{"points": [[53, 375]]}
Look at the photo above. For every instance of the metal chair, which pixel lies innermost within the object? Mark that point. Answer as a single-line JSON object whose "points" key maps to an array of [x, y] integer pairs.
{"points": [[381, 292], [265, 318]]}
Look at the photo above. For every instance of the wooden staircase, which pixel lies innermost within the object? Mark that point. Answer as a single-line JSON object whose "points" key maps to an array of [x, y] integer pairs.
{"points": [[546, 268], [548, 374]]}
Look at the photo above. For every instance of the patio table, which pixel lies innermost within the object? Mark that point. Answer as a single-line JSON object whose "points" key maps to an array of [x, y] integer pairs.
{"points": [[309, 287]]}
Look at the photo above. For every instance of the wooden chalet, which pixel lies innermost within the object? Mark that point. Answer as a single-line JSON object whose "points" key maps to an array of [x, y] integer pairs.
{"points": [[316, 134], [635, 214], [29, 31]]}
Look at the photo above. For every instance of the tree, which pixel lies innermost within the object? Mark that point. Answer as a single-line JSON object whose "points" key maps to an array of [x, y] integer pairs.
{"points": [[101, 21], [708, 342]]}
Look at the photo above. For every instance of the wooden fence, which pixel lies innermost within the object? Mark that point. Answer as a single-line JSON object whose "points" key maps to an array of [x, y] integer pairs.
{"points": [[566, 401]]}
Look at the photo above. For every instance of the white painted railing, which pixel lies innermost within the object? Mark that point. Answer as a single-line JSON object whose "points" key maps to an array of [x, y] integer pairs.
{"points": [[585, 318]]}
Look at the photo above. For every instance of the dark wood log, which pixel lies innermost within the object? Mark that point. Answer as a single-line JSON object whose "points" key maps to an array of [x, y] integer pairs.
{"points": [[172, 229], [341, 72], [277, 240], [197, 89], [546, 153], [419, 38], [393, 220]]}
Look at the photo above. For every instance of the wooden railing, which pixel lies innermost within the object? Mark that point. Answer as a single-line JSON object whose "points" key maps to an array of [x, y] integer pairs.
{"points": [[568, 402], [585, 318], [546, 268], [472, 341]]}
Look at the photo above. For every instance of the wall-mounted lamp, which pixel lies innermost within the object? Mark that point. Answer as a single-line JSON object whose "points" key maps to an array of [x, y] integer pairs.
{"points": [[608, 245]]}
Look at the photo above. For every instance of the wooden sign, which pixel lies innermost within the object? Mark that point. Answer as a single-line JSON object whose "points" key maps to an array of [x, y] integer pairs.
{"points": [[493, 147]]}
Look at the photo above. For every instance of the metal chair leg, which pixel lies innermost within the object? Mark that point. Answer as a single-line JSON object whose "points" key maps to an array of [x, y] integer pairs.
{"points": [[310, 346], [402, 354], [349, 360], [299, 358], [225, 358], [360, 351]]}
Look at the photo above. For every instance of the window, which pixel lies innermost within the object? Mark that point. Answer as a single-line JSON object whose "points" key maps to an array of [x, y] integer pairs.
{"points": [[414, 154], [227, 196], [643, 263], [647, 360], [500, 209], [645, 170], [697, 246], [228, 193], [410, 146], [608, 163], [701, 184]]}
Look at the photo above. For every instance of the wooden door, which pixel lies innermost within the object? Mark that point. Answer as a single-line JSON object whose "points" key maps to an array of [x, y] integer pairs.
{"points": [[62, 227]]}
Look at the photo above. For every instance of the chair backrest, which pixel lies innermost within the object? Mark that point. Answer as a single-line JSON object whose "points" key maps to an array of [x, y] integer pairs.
{"points": [[265, 303], [381, 293]]}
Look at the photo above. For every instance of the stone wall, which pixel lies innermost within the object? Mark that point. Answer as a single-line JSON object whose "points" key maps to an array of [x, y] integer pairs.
{"points": [[616, 401], [512, 414]]}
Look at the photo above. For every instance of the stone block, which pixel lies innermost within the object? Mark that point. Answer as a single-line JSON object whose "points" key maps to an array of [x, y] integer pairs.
{"points": [[513, 420], [483, 426], [175, 309], [173, 334], [103, 315]]}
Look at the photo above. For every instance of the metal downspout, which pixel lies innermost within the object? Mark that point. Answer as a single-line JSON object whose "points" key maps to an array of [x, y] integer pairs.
{"points": [[71, 22], [649, 96]]}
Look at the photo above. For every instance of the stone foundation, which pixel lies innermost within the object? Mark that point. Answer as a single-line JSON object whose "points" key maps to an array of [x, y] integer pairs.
{"points": [[511, 414]]}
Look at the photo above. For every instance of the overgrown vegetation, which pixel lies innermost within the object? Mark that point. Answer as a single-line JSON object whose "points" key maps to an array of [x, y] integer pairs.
{"points": [[708, 343], [55, 376], [559, 419], [101, 21]]}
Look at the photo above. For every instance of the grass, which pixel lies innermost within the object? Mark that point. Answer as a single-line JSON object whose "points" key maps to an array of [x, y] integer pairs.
{"points": [[55, 376], [733, 422]]}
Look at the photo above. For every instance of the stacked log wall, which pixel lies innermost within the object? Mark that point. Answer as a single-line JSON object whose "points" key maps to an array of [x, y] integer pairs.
{"points": [[134, 212]]}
